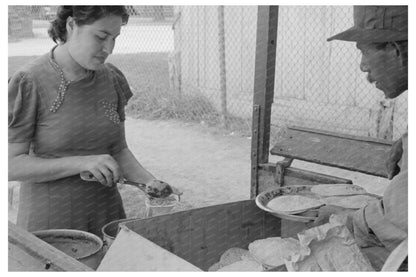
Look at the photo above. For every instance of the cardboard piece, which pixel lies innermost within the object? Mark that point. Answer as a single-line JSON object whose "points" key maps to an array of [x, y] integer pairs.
{"points": [[132, 252]]}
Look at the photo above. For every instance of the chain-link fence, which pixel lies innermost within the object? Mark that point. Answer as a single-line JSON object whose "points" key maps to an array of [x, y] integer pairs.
{"points": [[197, 63]]}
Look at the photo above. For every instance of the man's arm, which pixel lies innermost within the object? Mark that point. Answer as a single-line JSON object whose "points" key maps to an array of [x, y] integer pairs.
{"points": [[395, 155]]}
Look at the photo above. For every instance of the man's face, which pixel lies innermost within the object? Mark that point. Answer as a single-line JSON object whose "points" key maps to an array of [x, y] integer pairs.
{"points": [[90, 45], [385, 67]]}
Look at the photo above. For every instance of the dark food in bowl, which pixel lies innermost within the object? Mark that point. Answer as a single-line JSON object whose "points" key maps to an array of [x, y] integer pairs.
{"points": [[158, 189]]}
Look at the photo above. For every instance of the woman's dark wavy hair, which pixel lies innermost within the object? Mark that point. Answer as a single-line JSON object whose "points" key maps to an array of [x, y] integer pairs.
{"points": [[82, 15]]}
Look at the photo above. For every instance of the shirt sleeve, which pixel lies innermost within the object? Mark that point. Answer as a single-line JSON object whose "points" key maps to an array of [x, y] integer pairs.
{"points": [[363, 235], [385, 222], [23, 100], [122, 88], [124, 94]]}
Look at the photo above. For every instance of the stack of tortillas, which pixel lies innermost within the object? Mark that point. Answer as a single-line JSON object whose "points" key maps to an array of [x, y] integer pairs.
{"points": [[236, 259], [262, 254], [337, 189], [243, 265], [292, 204], [343, 195], [349, 202], [271, 252]]}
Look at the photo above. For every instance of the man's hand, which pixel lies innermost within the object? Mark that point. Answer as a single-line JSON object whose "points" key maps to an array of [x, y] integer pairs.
{"points": [[325, 212], [394, 157]]}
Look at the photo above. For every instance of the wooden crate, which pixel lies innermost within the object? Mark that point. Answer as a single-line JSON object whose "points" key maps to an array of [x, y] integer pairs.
{"points": [[200, 236]]}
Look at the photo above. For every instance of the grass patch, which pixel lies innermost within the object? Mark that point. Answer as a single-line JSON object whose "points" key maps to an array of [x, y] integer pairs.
{"points": [[160, 104]]}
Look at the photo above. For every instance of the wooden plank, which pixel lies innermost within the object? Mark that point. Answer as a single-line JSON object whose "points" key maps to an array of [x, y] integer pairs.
{"points": [[280, 169], [254, 184], [264, 75], [351, 153], [265, 72], [29, 253], [313, 177], [343, 136]]}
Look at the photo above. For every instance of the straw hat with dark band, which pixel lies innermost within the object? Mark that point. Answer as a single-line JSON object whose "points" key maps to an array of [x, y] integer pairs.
{"points": [[376, 24]]}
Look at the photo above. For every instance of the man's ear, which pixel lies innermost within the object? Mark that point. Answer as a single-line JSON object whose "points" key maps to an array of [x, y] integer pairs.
{"points": [[393, 47], [400, 50]]}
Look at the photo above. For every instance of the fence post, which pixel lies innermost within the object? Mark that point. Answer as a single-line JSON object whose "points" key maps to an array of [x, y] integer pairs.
{"points": [[264, 75], [223, 77], [175, 58]]}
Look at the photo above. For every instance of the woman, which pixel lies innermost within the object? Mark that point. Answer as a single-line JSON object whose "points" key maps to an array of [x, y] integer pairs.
{"points": [[66, 116]]}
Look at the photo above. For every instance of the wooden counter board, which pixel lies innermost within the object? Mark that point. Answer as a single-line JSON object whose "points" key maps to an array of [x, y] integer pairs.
{"points": [[353, 153]]}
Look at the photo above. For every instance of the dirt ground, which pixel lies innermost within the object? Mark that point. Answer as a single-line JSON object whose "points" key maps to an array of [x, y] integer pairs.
{"points": [[209, 166]]}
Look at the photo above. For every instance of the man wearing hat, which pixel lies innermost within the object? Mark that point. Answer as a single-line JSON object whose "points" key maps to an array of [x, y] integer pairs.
{"points": [[380, 33]]}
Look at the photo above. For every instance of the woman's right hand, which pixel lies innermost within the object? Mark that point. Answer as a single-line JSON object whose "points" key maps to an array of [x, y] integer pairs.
{"points": [[104, 168]]}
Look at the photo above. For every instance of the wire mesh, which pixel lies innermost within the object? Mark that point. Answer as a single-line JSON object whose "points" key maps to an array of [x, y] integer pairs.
{"points": [[197, 63]]}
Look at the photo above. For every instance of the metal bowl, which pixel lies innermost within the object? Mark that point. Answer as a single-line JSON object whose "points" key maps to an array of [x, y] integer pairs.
{"points": [[83, 246]]}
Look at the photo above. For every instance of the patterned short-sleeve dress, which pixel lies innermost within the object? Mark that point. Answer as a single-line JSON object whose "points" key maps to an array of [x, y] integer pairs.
{"points": [[63, 119]]}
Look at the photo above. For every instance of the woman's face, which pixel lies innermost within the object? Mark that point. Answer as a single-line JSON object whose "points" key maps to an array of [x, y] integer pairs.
{"points": [[90, 45], [385, 67]]}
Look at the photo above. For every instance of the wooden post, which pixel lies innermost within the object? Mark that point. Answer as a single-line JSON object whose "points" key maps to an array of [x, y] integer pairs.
{"points": [[255, 151], [223, 74], [175, 58], [264, 76]]}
